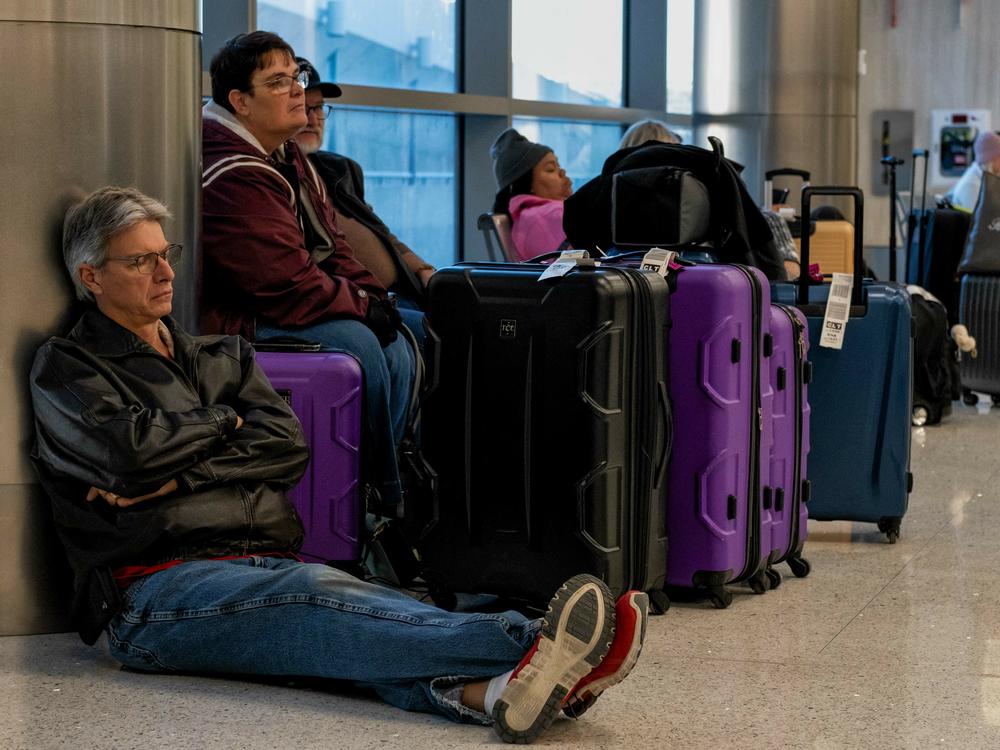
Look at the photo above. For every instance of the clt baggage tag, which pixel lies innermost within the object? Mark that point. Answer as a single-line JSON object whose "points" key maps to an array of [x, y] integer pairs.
{"points": [[838, 310], [566, 262], [658, 260]]}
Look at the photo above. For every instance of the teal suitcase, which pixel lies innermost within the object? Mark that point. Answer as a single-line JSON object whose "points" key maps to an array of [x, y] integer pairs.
{"points": [[860, 395]]}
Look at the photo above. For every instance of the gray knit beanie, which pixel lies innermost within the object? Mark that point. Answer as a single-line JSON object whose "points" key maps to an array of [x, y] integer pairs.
{"points": [[514, 155]]}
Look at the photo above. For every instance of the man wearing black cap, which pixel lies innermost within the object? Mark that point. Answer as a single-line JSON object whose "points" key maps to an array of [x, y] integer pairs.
{"points": [[394, 264]]}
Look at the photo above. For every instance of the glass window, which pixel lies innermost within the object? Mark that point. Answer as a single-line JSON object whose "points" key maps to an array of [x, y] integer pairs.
{"points": [[581, 147], [409, 165], [406, 44], [680, 56], [567, 51], [685, 132]]}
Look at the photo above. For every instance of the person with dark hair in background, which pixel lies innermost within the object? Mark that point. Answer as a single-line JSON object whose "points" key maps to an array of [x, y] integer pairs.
{"points": [[394, 264], [276, 262], [531, 188], [167, 459]]}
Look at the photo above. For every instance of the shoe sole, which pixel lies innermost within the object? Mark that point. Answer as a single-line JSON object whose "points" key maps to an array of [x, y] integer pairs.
{"points": [[576, 635], [640, 604]]}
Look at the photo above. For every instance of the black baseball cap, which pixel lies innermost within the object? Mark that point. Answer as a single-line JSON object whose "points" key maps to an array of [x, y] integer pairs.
{"points": [[328, 90]]}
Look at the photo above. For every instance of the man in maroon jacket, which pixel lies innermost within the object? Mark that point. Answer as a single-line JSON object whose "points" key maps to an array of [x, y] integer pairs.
{"points": [[275, 262]]}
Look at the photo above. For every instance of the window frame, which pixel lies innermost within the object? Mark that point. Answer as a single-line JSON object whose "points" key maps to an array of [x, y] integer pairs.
{"points": [[483, 104]]}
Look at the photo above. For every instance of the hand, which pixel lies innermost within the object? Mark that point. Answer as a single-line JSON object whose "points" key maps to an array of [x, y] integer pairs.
{"points": [[383, 319], [123, 502], [239, 421], [424, 275]]}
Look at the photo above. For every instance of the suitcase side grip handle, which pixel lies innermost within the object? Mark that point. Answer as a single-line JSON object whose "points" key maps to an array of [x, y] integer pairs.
{"points": [[667, 429]]}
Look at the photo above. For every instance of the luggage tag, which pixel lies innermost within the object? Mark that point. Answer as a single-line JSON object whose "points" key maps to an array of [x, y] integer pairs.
{"points": [[658, 261], [838, 310], [566, 262]]}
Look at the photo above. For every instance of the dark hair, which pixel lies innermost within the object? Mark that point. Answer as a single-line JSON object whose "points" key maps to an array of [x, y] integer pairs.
{"points": [[827, 213], [234, 64], [520, 186]]}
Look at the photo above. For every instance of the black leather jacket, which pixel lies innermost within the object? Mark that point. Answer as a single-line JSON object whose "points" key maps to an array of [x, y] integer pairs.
{"points": [[112, 413]]}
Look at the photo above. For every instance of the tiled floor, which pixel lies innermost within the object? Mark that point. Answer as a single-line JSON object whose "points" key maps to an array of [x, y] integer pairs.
{"points": [[882, 646]]}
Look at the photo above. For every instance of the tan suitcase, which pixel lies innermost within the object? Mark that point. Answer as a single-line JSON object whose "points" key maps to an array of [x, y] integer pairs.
{"points": [[831, 246]]}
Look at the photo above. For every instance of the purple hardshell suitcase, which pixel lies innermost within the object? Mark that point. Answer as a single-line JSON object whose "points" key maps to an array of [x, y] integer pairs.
{"points": [[324, 390], [721, 397], [790, 373]]}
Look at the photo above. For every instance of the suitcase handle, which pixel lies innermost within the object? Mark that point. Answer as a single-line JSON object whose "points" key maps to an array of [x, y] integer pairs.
{"points": [[919, 153], [859, 212], [892, 162], [286, 344], [668, 429], [787, 172]]}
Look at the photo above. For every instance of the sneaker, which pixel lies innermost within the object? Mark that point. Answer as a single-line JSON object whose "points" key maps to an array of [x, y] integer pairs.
{"points": [[576, 634], [631, 614]]}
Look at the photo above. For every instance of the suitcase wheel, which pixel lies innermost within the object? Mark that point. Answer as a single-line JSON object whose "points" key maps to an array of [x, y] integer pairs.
{"points": [[889, 525], [921, 415], [659, 602], [758, 582], [800, 566], [773, 578], [969, 398], [995, 398], [720, 597]]}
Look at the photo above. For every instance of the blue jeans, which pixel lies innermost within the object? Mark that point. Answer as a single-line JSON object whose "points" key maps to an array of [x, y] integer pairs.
{"points": [[271, 616], [388, 374], [413, 317]]}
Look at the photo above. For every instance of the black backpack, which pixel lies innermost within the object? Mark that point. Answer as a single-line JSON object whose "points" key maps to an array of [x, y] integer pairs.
{"points": [[936, 379], [664, 190]]}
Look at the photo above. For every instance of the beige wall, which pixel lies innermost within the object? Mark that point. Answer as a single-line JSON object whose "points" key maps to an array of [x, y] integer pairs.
{"points": [[942, 53]]}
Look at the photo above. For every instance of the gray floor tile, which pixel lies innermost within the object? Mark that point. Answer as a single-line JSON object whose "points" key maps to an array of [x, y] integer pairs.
{"points": [[882, 646]]}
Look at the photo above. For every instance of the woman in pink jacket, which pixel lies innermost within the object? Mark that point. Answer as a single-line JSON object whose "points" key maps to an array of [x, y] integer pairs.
{"points": [[531, 188]]}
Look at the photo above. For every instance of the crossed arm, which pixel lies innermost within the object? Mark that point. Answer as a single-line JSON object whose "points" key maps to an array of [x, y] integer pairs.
{"points": [[88, 428]]}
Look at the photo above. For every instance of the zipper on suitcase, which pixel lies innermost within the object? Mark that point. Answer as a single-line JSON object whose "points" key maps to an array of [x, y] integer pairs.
{"points": [[756, 415], [798, 378], [642, 479]]}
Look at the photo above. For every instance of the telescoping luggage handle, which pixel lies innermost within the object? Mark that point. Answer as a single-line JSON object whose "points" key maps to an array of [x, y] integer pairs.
{"points": [[859, 212], [914, 224], [782, 172], [787, 171]]}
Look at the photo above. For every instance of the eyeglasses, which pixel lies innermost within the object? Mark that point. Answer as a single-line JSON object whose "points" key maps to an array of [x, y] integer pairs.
{"points": [[282, 84], [146, 263], [322, 111]]}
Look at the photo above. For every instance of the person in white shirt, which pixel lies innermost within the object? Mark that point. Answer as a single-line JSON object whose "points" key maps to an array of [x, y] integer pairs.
{"points": [[965, 194]]}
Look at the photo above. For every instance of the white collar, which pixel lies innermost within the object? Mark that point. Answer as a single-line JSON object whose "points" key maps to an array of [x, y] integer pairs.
{"points": [[221, 115]]}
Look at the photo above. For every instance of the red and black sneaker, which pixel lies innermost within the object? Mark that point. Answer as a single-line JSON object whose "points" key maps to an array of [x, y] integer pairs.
{"points": [[631, 614], [576, 634]]}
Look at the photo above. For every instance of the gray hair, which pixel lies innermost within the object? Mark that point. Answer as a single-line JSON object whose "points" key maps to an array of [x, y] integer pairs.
{"points": [[92, 222], [648, 130]]}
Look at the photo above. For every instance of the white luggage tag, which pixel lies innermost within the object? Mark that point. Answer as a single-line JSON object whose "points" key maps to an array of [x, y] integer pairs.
{"points": [[566, 262], [838, 310], [658, 260]]}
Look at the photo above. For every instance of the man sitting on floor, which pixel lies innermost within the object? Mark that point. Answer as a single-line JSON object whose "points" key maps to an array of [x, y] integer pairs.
{"points": [[167, 458]]}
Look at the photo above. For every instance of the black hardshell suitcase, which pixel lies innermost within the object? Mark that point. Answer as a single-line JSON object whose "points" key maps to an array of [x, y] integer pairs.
{"points": [[980, 313], [547, 422], [934, 244]]}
